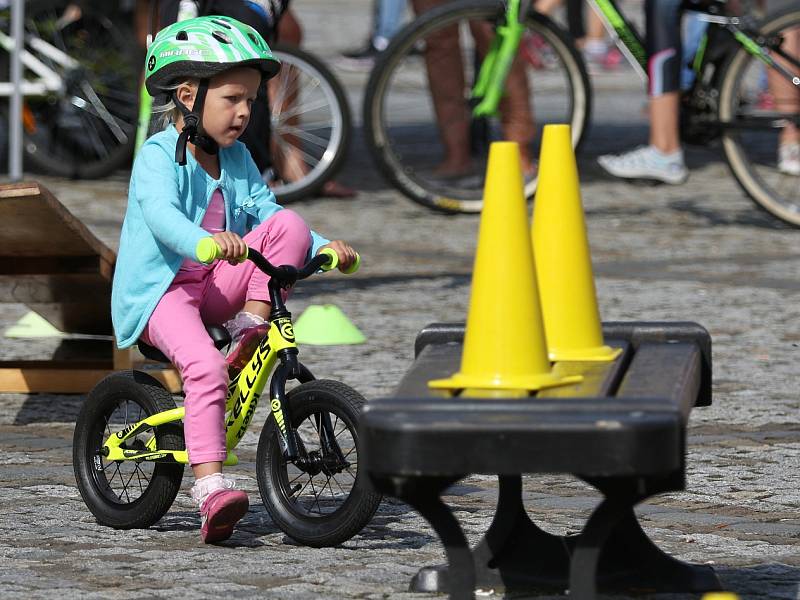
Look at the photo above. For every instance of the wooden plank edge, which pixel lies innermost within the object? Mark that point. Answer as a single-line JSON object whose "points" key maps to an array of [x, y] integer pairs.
{"points": [[70, 381]]}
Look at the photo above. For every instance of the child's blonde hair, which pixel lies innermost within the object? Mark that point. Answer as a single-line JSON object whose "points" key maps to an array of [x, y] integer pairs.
{"points": [[168, 113]]}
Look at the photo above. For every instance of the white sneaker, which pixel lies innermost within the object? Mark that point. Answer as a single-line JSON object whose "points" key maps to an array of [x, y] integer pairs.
{"points": [[789, 158], [647, 162]]}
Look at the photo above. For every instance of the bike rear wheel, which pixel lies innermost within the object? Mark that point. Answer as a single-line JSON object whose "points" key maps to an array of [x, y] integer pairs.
{"points": [[87, 129], [310, 125], [125, 494], [330, 501], [755, 112], [404, 134]]}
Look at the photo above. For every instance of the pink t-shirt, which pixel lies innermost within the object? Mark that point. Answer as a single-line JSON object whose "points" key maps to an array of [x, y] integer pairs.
{"points": [[213, 222]]}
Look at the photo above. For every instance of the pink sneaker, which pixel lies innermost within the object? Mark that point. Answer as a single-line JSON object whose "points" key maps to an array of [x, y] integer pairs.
{"points": [[244, 345], [220, 512]]}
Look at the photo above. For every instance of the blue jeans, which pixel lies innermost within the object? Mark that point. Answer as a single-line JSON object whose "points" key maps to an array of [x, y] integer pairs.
{"points": [[390, 18]]}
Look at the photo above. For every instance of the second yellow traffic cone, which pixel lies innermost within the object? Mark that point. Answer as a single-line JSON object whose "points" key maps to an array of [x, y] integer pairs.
{"points": [[563, 261], [505, 353]]}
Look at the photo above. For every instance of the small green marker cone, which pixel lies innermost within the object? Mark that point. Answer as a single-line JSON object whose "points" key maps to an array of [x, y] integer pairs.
{"points": [[32, 326], [326, 326]]}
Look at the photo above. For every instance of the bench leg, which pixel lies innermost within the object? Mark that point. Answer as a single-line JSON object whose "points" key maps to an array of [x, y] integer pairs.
{"points": [[515, 553], [458, 577], [613, 552]]}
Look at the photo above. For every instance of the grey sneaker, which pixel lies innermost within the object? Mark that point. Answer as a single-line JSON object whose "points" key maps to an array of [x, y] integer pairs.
{"points": [[789, 158], [646, 162]]}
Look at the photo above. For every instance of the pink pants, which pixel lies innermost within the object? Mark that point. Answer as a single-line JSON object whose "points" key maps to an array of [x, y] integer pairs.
{"points": [[214, 295]]}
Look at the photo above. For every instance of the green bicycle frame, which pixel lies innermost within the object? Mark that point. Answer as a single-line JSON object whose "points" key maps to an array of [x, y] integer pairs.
{"points": [[244, 392], [497, 63], [632, 44], [490, 84], [759, 52]]}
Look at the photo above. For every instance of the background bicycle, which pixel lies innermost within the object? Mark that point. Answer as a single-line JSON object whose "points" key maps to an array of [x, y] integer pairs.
{"points": [[732, 98], [745, 90], [418, 116], [81, 122]]}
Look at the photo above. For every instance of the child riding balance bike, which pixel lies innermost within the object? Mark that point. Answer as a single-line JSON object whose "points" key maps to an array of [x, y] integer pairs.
{"points": [[196, 206]]}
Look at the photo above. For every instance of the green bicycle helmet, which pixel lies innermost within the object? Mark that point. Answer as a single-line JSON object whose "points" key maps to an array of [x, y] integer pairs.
{"points": [[202, 47]]}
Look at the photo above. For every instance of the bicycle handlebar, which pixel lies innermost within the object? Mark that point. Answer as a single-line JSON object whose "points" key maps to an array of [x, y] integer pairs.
{"points": [[208, 251]]}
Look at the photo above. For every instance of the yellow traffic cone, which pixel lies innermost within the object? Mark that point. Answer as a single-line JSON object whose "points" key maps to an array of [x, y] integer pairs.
{"points": [[505, 353], [563, 262]]}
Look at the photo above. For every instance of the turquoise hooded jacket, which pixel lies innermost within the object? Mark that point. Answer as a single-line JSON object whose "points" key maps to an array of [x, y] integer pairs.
{"points": [[166, 204]]}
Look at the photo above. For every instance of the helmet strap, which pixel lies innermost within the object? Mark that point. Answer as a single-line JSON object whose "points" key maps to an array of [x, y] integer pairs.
{"points": [[192, 124]]}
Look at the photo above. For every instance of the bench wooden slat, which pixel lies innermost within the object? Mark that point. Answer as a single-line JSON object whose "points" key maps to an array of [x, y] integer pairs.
{"points": [[600, 378], [438, 360], [670, 371]]}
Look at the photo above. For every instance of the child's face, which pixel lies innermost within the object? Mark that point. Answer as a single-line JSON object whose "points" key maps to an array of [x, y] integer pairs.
{"points": [[228, 102]]}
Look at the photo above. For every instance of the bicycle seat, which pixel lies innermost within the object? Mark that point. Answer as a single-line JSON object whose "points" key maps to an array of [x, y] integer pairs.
{"points": [[218, 334]]}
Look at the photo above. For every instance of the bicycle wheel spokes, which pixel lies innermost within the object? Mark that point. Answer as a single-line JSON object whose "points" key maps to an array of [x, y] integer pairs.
{"points": [[87, 128], [122, 482], [322, 487], [307, 124], [760, 110], [418, 110]]}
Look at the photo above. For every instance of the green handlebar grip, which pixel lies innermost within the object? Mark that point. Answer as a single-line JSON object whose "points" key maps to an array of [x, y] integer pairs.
{"points": [[334, 259], [354, 267], [208, 251]]}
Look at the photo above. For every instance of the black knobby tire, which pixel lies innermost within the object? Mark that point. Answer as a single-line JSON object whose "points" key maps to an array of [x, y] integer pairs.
{"points": [[751, 152], [321, 130], [125, 495], [404, 152], [89, 129], [327, 509]]}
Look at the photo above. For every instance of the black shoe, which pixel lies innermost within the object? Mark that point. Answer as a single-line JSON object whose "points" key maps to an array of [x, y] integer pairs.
{"points": [[361, 58]]}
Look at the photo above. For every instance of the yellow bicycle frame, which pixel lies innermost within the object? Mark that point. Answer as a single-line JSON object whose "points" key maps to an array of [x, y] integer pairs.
{"points": [[244, 391]]}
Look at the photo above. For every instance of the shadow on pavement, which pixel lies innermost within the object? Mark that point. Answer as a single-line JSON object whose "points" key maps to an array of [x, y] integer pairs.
{"points": [[775, 580], [49, 408]]}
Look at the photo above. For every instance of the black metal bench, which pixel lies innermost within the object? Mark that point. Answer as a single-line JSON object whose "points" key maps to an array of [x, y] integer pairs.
{"points": [[621, 429]]}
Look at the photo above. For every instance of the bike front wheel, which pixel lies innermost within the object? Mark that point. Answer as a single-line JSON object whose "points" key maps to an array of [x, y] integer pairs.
{"points": [[760, 111], [327, 500], [417, 113], [309, 123], [125, 494]]}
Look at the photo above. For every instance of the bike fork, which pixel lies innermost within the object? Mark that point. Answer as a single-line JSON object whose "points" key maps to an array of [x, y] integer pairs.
{"points": [[289, 368], [294, 451]]}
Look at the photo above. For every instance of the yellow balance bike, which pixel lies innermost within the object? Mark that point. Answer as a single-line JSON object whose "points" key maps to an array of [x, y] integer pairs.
{"points": [[129, 453]]}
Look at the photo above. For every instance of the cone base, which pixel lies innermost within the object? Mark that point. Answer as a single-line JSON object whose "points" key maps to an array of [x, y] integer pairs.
{"points": [[596, 354], [512, 386]]}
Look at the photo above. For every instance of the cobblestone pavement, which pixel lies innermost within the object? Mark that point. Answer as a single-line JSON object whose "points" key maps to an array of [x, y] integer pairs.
{"points": [[699, 252]]}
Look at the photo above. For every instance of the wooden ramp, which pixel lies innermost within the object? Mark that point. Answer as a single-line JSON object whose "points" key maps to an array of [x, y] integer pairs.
{"points": [[52, 263]]}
